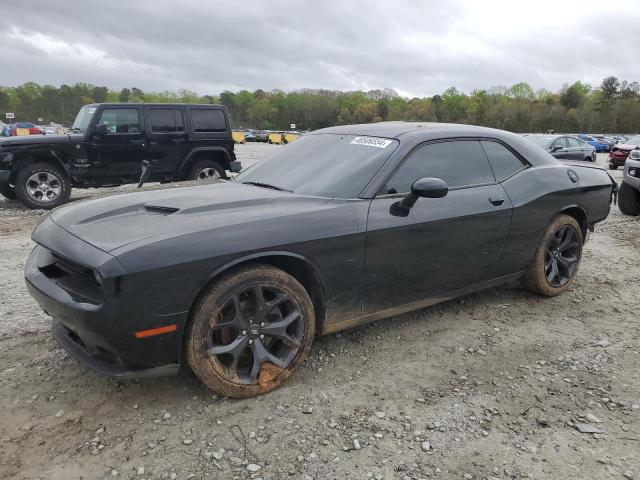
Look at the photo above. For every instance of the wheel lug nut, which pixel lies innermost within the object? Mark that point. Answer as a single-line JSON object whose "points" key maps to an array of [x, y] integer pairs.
{"points": [[262, 324], [261, 337], [244, 332], [250, 342]]}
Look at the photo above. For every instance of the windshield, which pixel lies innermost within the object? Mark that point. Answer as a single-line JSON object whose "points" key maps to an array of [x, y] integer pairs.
{"points": [[83, 118], [326, 165], [634, 140], [540, 140]]}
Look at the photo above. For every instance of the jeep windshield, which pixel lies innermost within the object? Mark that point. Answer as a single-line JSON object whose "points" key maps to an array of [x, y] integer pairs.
{"points": [[83, 119], [325, 165]]}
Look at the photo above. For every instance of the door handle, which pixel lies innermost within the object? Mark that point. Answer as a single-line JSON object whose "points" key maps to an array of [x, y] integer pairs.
{"points": [[138, 142], [153, 144], [177, 140], [495, 200]]}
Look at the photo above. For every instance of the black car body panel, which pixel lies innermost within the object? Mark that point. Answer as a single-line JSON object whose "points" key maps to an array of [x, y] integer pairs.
{"points": [[156, 251], [91, 159]]}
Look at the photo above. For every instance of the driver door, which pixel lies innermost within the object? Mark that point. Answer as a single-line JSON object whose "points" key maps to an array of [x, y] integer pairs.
{"points": [[119, 152], [443, 244]]}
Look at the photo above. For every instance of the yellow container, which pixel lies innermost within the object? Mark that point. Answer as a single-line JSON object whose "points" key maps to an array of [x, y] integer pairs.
{"points": [[290, 137], [275, 138], [22, 132], [238, 137]]}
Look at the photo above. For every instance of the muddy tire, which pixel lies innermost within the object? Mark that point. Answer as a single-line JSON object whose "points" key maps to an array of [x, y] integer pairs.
{"points": [[557, 258], [206, 170], [8, 192], [628, 200], [42, 186], [250, 331]]}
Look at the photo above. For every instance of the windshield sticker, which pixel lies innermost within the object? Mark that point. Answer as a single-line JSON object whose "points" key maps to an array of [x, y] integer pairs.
{"points": [[372, 142]]}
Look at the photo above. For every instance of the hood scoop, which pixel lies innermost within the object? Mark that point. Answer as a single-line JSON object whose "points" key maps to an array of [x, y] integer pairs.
{"points": [[160, 210]]}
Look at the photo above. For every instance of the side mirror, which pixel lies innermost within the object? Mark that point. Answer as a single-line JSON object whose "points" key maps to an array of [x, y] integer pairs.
{"points": [[425, 188], [555, 148], [101, 130]]}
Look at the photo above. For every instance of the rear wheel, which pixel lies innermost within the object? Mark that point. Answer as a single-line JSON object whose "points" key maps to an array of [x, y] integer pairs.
{"points": [[250, 332], [206, 170], [628, 200], [42, 185], [557, 258]]}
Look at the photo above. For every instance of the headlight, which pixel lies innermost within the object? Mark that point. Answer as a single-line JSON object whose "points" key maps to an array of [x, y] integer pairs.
{"points": [[634, 155], [97, 277]]}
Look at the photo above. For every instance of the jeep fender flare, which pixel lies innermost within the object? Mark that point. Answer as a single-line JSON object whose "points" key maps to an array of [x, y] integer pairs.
{"points": [[217, 150], [27, 157]]}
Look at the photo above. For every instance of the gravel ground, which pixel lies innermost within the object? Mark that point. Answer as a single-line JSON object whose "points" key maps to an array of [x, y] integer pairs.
{"points": [[500, 384]]}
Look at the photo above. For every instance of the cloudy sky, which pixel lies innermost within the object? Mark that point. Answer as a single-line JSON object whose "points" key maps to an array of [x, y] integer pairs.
{"points": [[418, 48]]}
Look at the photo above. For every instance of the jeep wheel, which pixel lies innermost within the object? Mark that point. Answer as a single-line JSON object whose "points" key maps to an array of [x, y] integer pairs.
{"points": [[250, 332], [206, 170], [628, 200], [8, 192], [557, 258], [42, 185]]}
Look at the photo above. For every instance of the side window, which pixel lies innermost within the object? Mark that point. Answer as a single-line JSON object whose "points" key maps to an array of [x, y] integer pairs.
{"points": [[120, 120], [561, 142], [503, 162], [208, 120], [166, 120], [459, 163], [573, 142]]}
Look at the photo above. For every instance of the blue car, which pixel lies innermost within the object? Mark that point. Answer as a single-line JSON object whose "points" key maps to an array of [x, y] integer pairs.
{"points": [[600, 146]]}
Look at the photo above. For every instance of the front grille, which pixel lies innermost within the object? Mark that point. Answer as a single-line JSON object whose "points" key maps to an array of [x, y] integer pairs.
{"points": [[76, 279]]}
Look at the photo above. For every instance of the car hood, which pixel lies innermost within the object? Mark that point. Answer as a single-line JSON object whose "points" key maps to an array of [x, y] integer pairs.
{"points": [[112, 222], [34, 140], [626, 146]]}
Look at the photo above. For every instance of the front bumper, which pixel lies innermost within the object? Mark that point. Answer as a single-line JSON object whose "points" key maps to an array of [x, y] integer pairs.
{"points": [[617, 161], [99, 329], [235, 167], [74, 346], [631, 180]]}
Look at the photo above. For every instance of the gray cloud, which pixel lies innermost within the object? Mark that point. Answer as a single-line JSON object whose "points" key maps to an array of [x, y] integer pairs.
{"points": [[418, 48]]}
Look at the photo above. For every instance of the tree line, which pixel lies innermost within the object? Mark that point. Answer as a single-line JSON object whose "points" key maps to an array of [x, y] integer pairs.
{"points": [[613, 106]]}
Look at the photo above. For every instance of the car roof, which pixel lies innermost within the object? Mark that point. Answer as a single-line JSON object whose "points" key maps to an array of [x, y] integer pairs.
{"points": [[395, 129], [116, 104]]}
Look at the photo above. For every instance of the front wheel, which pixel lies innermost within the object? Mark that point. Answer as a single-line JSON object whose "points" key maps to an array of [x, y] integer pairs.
{"points": [[628, 200], [557, 258], [250, 331], [42, 185]]}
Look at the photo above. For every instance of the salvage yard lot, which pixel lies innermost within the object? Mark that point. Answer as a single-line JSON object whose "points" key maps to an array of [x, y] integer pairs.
{"points": [[500, 384]]}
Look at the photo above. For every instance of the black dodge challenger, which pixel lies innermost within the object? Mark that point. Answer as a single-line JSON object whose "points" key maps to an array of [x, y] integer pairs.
{"points": [[344, 226]]}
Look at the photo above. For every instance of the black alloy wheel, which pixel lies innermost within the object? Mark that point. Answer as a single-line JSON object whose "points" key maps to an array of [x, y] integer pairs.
{"points": [[258, 325], [562, 256]]}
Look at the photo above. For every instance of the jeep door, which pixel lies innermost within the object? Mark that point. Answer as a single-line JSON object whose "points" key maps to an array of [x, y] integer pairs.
{"points": [[119, 149], [441, 244], [167, 140]]}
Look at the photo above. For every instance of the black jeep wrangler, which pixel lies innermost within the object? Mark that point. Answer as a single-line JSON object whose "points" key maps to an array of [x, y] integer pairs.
{"points": [[113, 144]]}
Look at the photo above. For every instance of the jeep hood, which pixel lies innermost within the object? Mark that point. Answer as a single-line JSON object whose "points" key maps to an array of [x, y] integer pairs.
{"points": [[34, 140], [112, 222]]}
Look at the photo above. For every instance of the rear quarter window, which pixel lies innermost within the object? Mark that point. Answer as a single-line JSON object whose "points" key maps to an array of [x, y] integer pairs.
{"points": [[208, 120], [503, 162]]}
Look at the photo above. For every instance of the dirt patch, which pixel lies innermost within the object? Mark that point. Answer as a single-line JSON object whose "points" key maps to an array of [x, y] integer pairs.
{"points": [[500, 384]]}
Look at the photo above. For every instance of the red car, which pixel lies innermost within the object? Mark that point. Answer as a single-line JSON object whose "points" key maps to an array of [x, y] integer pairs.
{"points": [[619, 153], [33, 128]]}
